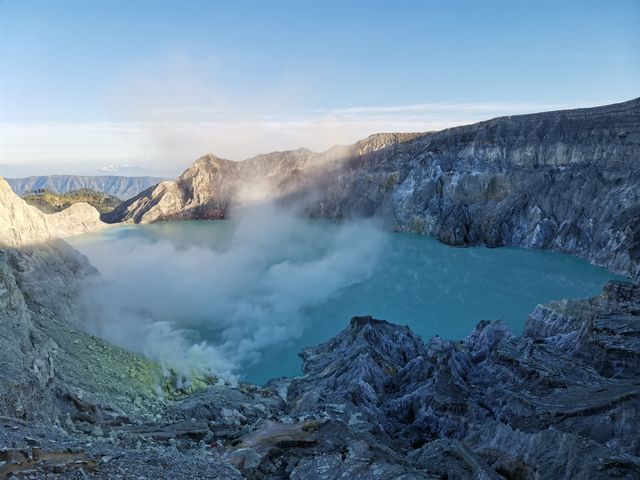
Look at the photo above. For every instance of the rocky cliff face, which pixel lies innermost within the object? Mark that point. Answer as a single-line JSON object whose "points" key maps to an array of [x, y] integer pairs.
{"points": [[45, 363], [566, 181]]}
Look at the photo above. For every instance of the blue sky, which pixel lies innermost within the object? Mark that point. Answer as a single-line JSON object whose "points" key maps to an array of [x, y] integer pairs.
{"points": [[148, 86]]}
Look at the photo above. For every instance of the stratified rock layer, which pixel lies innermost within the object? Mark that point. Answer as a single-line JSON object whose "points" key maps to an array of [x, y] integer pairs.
{"points": [[565, 181]]}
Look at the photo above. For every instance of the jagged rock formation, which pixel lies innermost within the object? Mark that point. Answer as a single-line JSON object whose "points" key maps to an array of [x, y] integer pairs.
{"points": [[559, 402], [118, 186], [566, 181], [376, 402], [207, 188]]}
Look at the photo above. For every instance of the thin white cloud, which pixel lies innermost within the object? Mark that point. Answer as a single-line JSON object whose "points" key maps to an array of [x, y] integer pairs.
{"points": [[440, 108], [187, 109], [167, 147], [121, 169]]}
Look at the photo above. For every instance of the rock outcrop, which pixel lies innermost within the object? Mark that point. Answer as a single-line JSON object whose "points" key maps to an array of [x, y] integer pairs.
{"points": [[565, 181], [22, 224], [561, 401]]}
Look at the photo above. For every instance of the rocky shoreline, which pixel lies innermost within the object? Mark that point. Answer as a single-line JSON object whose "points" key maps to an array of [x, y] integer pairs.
{"points": [[376, 402]]}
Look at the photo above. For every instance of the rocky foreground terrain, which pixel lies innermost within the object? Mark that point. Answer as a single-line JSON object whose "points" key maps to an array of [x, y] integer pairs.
{"points": [[566, 181], [375, 402]]}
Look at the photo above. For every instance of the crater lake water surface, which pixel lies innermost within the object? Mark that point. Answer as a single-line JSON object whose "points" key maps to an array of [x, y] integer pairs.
{"points": [[414, 280]]}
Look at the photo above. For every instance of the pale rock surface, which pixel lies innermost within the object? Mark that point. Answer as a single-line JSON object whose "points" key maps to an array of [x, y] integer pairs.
{"points": [[44, 360], [22, 224]]}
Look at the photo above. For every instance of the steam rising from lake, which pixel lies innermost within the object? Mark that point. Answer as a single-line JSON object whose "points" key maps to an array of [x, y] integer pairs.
{"points": [[247, 290], [242, 297]]}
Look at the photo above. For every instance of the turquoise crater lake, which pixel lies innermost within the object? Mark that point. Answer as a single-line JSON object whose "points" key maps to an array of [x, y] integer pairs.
{"points": [[196, 274]]}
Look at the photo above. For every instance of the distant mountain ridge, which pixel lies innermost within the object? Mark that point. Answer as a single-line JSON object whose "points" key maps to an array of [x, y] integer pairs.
{"points": [[118, 186]]}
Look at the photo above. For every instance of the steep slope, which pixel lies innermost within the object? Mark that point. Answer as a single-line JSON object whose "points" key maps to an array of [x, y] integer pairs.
{"points": [[209, 187], [45, 363], [22, 224], [119, 186], [566, 180]]}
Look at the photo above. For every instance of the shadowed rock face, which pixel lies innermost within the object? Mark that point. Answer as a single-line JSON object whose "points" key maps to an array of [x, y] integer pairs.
{"points": [[565, 181], [376, 402], [562, 401]]}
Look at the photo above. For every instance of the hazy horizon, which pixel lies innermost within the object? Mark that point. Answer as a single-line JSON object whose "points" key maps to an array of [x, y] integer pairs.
{"points": [[137, 171]]}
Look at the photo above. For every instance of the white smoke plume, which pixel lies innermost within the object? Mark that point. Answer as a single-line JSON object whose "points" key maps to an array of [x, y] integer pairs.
{"points": [[199, 309]]}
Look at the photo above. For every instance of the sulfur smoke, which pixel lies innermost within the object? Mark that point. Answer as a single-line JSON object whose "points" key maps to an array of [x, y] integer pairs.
{"points": [[214, 308]]}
